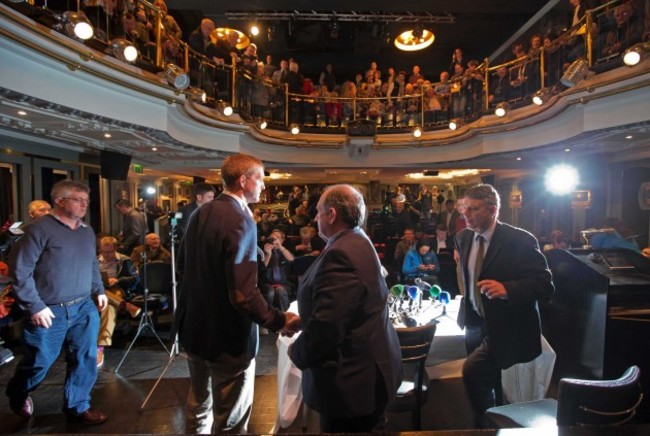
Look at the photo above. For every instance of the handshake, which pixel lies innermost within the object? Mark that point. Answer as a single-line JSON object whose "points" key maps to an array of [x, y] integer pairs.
{"points": [[292, 324]]}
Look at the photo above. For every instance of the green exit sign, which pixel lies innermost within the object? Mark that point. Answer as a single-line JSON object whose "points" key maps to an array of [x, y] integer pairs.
{"points": [[137, 168]]}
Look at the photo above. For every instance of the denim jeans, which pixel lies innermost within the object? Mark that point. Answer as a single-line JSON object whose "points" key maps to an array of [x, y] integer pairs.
{"points": [[75, 328]]}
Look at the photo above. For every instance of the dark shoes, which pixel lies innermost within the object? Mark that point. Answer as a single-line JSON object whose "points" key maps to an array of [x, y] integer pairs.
{"points": [[24, 408], [89, 417]]}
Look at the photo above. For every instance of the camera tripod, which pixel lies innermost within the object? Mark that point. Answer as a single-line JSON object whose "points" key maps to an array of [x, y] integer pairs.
{"points": [[146, 322], [175, 350]]}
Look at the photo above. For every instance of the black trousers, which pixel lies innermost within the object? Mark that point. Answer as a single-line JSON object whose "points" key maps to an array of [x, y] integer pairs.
{"points": [[481, 373]]}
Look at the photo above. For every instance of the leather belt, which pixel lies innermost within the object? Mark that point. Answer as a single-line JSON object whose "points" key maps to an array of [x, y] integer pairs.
{"points": [[71, 302]]}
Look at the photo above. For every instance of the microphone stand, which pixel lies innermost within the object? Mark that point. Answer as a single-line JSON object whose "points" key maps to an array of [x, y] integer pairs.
{"points": [[176, 349], [146, 322]]}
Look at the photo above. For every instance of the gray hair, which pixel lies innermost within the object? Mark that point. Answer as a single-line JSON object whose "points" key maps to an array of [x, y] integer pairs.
{"points": [[64, 188], [348, 203], [486, 192]]}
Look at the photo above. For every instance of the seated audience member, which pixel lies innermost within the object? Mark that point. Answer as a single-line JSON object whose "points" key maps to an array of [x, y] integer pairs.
{"points": [[443, 242], [500, 87], [559, 241], [300, 219], [421, 263], [38, 208], [155, 251], [615, 235], [311, 243], [628, 30], [406, 244], [121, 279], [274, 272]]}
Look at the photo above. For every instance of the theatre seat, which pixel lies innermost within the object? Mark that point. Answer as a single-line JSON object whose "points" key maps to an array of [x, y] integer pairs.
{"points": [[579, 403]]}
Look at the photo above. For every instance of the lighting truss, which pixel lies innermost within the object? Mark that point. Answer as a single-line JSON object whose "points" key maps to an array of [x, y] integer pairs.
{"points": [[353, 16]]}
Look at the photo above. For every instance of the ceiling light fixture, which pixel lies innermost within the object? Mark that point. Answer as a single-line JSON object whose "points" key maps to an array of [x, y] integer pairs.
{"points": [[107, 135], [123, 50], [255, 30], [221, 34], [415, 39], [629, 137], [22, 113], [176, 77]]}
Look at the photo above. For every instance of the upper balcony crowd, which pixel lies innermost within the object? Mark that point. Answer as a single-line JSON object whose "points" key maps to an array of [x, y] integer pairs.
{"points": [[260, 87]]}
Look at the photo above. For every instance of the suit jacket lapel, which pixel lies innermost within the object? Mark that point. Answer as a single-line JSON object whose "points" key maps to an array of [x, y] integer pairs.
{"points": [[496, 245]]}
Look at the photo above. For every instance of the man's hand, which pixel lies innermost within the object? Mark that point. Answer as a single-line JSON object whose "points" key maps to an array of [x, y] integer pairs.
{"points": [[43, 318], [292, 324], [492, 289], [102, 302], [112, 281]]}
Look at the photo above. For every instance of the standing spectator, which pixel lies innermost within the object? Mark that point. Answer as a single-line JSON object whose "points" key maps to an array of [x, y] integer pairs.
{"points": [[203, 193], [55, 272], [222, 298], [134, 227], [200, 42], [448, 216], [348, 350], [274, 277], [456, 59], [327, 78], [499, 311]]}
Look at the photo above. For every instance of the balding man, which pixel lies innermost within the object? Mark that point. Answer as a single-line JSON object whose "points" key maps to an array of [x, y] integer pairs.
{"points": [[38, 208], [155, 251], [348, 350]]}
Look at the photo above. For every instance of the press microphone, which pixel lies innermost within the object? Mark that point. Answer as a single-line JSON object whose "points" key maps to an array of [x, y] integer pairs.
{"points": [[174, 217]]}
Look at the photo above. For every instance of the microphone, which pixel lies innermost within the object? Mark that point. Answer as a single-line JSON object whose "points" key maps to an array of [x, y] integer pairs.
{"points": [[174, 217]]}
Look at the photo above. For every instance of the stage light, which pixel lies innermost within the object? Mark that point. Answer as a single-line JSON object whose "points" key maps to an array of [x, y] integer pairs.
{"points": [[263, 124], [177, 77], [123, 50], [295, 129], [634, 54], [76, 24], [150, 190], [575, 74], [541, 96], [417, 132], [501, 109], [197, 94], [454, 124], [227, 110], [561, 179], [255, 30]]}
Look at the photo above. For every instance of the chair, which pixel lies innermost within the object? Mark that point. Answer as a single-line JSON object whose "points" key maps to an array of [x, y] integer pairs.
{"points": [[158, 281], [579, 403], [414, 343]]}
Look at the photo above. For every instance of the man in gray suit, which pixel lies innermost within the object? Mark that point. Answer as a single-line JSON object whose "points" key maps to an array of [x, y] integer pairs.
{"points": [[505, 274], [348, 350], [220, 306]]}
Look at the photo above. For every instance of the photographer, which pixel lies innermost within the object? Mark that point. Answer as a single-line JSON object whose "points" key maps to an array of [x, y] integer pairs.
{"points": [[274, 271], [405, 215]]}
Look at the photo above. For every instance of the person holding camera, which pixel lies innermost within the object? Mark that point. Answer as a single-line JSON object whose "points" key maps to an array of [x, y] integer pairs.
{"points": [[274, 277]]}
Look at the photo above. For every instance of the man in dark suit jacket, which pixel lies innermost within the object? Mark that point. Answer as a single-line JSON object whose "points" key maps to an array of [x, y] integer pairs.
{"points": [[220, 307], [348, 350], [448, 217], [499, 311]]}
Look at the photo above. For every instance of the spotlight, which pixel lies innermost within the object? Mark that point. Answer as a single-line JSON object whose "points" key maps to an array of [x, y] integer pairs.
{"points": [[561, 179], [295, 130], [413, 40], [76, 24], [576, 72], [255, 30], [334, 28], [227, 110], [541, 96], [150, 190], [501, 110], [262, 124], [197, 93], [454, 124], [634, 54], [417, 132], [177, 77], [123, 50]]}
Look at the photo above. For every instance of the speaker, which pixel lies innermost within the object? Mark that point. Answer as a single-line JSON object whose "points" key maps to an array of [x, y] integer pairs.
{"points": [[198, 179], [115, 166], [430, 173]]}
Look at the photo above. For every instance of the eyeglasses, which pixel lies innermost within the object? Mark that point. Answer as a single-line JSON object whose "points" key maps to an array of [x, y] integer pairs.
{"points": [[77, 200]]}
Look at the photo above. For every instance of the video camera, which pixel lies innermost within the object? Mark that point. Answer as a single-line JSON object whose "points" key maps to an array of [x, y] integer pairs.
{"points": [[10, 235]]}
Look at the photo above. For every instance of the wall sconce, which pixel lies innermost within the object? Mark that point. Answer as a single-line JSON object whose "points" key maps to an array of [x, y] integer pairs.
{"points": [[176, 77], [501, 109], [123, 50], [76, 25]]}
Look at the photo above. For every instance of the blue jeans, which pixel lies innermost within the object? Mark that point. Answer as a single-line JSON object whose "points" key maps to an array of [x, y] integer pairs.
{"points": [[75, 328]]}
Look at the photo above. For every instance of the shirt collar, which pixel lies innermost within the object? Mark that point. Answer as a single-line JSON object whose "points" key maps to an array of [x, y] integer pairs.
{"points": [[79, 223], [487, 235]]}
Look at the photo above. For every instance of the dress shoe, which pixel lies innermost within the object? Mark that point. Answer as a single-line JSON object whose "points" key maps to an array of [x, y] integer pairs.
{"points": [[100, 357], [132, 310], [24, 408], [89, 417]]}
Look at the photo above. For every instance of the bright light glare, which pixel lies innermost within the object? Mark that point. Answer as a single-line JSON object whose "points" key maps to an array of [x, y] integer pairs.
{"points": [[227, 111], [561, 179], [130, 53], [538, 100], [632, 58], [417, 132], [255, 30], [500, 112], [83, 30], [151, 190], [453, 125]]}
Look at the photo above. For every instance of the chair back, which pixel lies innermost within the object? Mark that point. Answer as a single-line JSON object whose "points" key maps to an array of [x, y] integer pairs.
{"points": [[415, 342], [599, 402], [158, 277]]}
